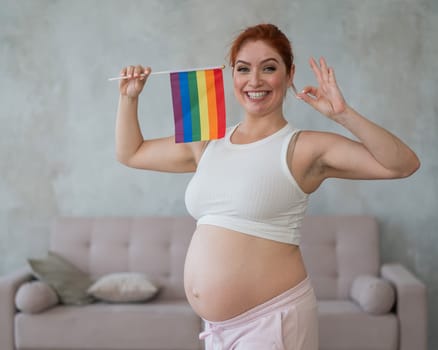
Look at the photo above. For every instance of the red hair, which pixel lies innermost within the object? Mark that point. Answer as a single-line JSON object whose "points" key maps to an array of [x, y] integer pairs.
{"points": [[271, 35]]}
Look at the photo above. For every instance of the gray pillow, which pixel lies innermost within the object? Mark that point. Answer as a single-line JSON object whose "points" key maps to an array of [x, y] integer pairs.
{"points": [[123, 287], [34, 297], [68, 281], [374, 295]]}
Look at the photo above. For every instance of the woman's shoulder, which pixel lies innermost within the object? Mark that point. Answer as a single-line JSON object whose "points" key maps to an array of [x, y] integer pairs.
{"points": [[316, 136], [312, 143]]}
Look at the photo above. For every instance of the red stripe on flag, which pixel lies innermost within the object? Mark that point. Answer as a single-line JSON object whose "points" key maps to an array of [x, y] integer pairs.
{"points": [[220, 102]]}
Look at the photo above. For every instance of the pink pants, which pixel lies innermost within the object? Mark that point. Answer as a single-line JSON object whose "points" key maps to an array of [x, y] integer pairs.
{"points": [[288, 321]]}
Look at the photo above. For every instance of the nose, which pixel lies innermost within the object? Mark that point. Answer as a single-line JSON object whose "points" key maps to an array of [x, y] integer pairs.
{"points": [[255, 78]]}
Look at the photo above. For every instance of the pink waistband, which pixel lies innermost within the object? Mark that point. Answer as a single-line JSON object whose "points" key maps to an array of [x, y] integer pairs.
{"points": [[277, 303]]}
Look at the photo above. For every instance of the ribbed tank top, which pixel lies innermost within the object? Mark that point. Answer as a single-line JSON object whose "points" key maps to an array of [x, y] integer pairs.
{"points": [[248, 188]]}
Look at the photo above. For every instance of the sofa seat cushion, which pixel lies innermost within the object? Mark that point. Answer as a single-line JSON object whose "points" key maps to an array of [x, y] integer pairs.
{"points": [[158, 325], [343, 325]]}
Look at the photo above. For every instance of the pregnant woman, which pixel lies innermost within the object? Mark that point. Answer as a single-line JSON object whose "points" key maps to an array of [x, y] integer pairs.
{"points": [[244, 272]]}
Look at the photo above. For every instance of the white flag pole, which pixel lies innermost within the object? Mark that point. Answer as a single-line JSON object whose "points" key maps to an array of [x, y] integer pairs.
{"points": [[170, 71]]}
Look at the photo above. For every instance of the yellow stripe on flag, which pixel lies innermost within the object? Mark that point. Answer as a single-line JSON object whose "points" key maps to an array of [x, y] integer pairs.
{"points": [[203, 105]]}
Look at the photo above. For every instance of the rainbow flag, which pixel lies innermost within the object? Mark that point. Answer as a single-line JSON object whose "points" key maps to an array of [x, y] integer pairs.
{"points": [[198, 105]]}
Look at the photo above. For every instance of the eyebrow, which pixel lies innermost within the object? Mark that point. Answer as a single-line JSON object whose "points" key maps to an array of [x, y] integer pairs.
{"points": [[264, 61]]}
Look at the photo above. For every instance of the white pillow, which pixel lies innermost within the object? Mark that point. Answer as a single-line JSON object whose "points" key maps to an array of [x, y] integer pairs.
{"points": [[123, 287], [375, 295], [34, 297]]}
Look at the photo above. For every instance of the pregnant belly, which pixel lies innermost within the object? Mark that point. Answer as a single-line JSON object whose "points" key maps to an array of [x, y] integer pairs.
{"points": [[227, 272]]}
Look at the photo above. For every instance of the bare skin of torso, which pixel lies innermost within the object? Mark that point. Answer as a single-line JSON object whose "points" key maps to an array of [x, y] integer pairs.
{"points": [[228, 272]]}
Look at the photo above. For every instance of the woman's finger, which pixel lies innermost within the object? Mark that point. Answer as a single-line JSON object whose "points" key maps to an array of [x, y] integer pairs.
{"points": [[310, 90], [324, 69], [331, 75], [138, 70], [130, 71], [316, 70], [146, 72], [123, 82], [308, 95]]}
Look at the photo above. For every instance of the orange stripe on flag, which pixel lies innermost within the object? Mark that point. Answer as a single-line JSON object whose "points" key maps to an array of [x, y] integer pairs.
{"points": [[212, 104]]}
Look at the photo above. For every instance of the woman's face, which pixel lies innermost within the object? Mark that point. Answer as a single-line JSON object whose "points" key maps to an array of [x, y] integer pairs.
{"points": [[260, 79]]}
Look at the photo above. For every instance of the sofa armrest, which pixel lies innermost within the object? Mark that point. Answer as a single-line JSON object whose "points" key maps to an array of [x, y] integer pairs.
{"points": [[9, 285], [411, 306]]}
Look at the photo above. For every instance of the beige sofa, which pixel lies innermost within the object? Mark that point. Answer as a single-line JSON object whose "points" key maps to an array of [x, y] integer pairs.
{"points": [[341, 253]]}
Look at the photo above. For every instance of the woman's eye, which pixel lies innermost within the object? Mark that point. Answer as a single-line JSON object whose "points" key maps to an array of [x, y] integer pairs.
{"points": [[270, 69], [242, 69]]}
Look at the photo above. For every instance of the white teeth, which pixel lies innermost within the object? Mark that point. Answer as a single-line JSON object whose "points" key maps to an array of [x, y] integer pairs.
{"points": [[256, 95]]}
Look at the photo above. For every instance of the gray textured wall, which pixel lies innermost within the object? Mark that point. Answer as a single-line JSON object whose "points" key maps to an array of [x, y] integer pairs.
{"points": [[58, 110]]}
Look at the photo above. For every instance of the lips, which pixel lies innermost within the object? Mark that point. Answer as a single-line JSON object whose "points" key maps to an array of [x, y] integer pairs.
{"points": [[255, 95]]}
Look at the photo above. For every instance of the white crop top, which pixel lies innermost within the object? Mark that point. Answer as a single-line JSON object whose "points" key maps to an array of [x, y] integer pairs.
{"points": [[248, 188]]}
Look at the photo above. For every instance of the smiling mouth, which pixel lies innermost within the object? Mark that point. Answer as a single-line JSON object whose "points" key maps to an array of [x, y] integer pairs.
{"points": [[256, 95]]}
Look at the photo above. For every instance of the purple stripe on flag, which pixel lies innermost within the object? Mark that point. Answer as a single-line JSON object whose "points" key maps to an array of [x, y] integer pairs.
{"points": [[177, 107]]}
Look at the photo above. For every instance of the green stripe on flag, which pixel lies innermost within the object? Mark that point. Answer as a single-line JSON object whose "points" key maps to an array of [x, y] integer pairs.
{"points": [[194, 106]]}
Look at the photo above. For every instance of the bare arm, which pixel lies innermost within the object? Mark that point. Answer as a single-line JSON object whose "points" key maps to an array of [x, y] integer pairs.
{"points": [[378, 154], [161, 154]]}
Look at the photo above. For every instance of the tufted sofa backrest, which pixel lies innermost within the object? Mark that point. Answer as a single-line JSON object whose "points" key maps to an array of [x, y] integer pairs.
{"points": [[155, 246], [338, 248], [335, 248]]}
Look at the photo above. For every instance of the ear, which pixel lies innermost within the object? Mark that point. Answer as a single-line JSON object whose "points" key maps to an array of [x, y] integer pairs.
{"points": [[291, 74], [291, 79]]}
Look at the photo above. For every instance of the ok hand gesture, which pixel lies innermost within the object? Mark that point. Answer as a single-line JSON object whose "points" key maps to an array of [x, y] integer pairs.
{"points": [[325, 98]]}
